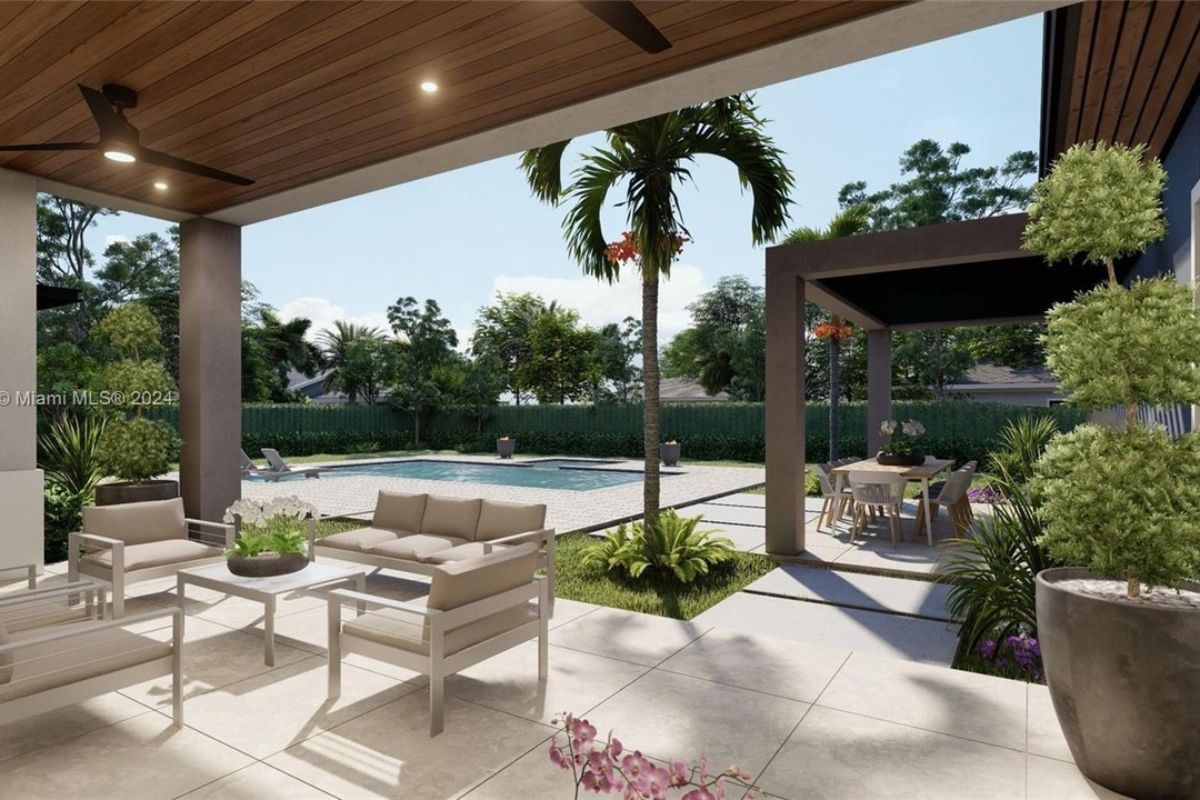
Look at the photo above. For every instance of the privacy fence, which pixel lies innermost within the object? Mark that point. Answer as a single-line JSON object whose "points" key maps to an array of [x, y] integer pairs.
{"points": [[716, 431]]}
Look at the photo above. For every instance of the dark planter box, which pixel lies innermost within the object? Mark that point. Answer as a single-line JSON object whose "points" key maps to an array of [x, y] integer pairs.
{"points": [[111, 494], [901, 460], [1125, 681], [669, 453], [506, 447], [266, 565]]}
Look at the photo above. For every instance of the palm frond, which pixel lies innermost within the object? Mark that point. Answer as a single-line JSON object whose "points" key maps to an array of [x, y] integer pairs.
{"points": [[543, 170]]}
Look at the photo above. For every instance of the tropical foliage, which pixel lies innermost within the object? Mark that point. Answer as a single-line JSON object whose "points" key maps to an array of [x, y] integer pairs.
{"points": [[69, 455], [670, 545], [1022, 443]]}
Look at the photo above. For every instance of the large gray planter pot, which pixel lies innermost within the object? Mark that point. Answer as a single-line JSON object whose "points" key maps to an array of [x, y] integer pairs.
{"points": [[111, 494], [669, 452], [506, 447], [266, 565], [1125, 681]]}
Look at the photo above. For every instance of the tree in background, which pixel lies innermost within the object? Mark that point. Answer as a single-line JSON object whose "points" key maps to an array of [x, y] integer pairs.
{"points": [[1016, 346], [561, 364], [724, 349], [483, 381], [424, 376], [652, 158], [502, 333], [338, 345], [271, 348], [929, 361], [369, 362], [615, 348]]}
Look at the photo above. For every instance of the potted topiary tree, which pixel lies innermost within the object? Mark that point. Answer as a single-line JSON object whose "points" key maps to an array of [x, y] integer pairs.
{"points": [[135, 449], [1120, 632]]}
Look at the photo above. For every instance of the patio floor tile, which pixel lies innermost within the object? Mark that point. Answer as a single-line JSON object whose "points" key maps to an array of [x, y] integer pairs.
{"points": [[1050, 779], [531, 776], [742, 499], [257, 782], [568, 610], [1045, 735], [954, 702], [272, 711], [857, 590], [388, 753], [142, 757], [508, 682], [47, 729], [835, 755], [778, 666], [667, 715], [638, 638], [734, 515]]}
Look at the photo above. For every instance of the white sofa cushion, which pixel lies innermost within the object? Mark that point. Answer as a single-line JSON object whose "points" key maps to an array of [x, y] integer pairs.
{"points": [[137, 523], [155, 554], [451, 516], [497, 518], [399, 511]]}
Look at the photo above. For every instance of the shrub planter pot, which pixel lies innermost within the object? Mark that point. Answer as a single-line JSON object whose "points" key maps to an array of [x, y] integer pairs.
{"points": [[111, 494], [505, 447], [1125, 681], [267, 564], [901, 459], [669, 453]]}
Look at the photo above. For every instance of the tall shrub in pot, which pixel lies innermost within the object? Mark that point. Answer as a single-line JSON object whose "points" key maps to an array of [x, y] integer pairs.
{"points": [[1120, 632]]}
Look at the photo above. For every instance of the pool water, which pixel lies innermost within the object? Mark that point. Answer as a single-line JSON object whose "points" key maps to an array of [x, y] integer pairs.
{"points": [[568, 474]]}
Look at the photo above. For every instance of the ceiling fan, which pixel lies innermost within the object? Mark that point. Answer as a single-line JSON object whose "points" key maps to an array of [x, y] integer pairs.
{"points": [[119, 139], [625, 18]]}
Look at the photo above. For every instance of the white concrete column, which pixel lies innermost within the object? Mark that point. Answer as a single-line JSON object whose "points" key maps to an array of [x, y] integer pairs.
{"points": [[210, 365], [785, 412], [21, 530], [879, 386]]}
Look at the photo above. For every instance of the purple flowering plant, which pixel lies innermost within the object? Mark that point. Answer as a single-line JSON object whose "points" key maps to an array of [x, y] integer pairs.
{"points": [[1019, 655], [606, 767]]}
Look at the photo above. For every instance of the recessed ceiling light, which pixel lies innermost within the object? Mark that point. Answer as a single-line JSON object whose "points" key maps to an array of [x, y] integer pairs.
{"points": [[429, 87], [119, 155], [160, 185]]}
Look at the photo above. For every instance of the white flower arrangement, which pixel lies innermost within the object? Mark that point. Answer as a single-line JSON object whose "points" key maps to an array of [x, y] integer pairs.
{"points": [[901, 436], [261, 512]]}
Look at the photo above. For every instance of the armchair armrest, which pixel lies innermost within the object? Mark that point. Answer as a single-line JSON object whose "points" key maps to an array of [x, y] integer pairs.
{"points": [[62, 590], [346, 596], [66, 632], [543, 535], [221, 534], [102, 542]]}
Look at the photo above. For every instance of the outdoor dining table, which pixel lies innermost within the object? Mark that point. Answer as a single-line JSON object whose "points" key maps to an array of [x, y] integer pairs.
{"points": [[922, 472]]}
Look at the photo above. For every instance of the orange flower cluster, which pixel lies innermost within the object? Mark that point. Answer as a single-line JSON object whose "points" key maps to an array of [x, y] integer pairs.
{"points": [[833, 330], [628, 248]]}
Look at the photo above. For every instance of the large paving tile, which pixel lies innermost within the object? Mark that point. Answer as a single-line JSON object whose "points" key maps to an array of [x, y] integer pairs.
{"points": [[916, 559], [257, 782], [388, 752], [796, 670], [834, 755], [52, 727], [275, 710], [964, 704], [744, 499], [639, 638], [667, 715], [531, 776], [509, 682], [213, 656], [566, 610], [857, 590], [871, 632], [1051, 779], [744, 537], [142, 757], [735, 515], [1045, 734]]}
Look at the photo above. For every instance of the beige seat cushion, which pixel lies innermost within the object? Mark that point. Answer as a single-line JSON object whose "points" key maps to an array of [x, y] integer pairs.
{"points": [[399, 511], [497, 518], [407, 632], [461, 582], [6, 659], [136, 523], [451, 516], [416, 547], [461, 553], [75, 658], [360, 539], [155, 554]]}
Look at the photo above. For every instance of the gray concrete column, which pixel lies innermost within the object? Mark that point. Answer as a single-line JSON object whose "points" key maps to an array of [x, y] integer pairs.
{"points": [[20, 480], [879, 386], [210, 365], [785, 412]]}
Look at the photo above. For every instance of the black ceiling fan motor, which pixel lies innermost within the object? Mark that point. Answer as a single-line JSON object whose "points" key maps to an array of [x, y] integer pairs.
{"points": [[121, 97]]}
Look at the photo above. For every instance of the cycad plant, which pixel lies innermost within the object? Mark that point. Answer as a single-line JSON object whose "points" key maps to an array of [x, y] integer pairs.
{"points": [[672, 545]]}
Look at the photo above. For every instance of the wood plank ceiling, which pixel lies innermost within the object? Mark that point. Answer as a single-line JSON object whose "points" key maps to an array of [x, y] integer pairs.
{"points": [[288, 93], [1120, 71]]}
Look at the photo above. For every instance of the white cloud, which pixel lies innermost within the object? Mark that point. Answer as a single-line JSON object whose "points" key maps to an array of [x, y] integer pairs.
{"points": [[324, 313], [599, 303], [113, 238]]}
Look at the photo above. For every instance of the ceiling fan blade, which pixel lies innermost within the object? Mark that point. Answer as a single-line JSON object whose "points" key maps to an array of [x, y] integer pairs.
{"points": [[48, 147], [155, 158], [111, 124], [625, 18]]}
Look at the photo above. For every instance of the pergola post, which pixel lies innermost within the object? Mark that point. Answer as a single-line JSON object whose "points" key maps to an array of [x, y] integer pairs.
{"points": [[20, 479], [879, 385], [785, 411], [210, 365]]}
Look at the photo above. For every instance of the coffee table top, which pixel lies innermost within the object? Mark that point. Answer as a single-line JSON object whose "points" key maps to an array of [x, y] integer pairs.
{"points": [[218, 576]]}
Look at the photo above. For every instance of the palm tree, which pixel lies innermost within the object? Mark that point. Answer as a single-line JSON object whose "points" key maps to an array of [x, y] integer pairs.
{"points": [[847, 222], [335, 346], [653, 158]]}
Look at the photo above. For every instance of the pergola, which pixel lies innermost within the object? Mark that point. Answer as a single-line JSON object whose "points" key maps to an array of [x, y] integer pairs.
{"points": [[320, 101]]}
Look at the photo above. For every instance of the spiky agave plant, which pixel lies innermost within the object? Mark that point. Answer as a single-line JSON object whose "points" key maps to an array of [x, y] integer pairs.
{"points": [[671, 545], [70, 454]]}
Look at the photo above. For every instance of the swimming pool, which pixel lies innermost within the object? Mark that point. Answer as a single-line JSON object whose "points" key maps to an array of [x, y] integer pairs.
{"points": [[568, 474]]}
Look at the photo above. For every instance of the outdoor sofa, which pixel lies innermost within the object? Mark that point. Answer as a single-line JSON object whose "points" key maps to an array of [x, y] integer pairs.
{"points": [[131, 542], [419, 532]]}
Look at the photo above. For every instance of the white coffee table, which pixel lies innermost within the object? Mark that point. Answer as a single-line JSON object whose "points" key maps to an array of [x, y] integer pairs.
{"points": [[264, 590]]}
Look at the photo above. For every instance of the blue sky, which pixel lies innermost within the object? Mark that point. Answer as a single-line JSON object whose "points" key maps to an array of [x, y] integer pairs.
{"points": [[460, 236]]}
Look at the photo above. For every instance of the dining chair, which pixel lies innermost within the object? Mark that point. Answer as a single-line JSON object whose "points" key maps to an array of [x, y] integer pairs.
{"points": [[833, 501], [953, 497], [870, 490]]}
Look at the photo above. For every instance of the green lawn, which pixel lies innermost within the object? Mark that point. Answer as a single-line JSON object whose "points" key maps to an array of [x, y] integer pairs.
{"points": [[651, 594]]}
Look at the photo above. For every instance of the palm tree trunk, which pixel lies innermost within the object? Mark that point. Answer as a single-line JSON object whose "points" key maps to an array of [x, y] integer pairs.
{"points": [[650, 410], [835, 394]]}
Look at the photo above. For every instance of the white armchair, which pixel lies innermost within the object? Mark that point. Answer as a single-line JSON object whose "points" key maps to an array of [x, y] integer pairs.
{"points": [[476, 608], [131, 542]]}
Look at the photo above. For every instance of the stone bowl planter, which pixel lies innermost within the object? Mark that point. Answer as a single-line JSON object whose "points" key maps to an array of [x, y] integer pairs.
{"points": [[1125, 681], [901, 459], [266, 565], [506, 447], [111, 494], [669, 453]]}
